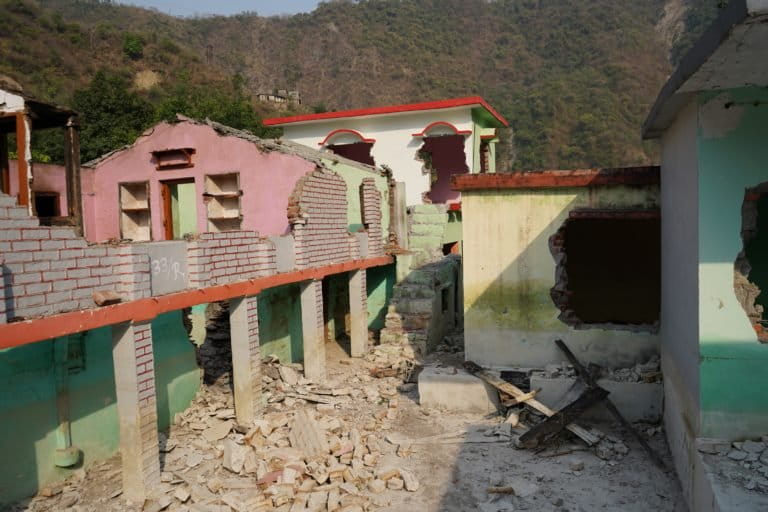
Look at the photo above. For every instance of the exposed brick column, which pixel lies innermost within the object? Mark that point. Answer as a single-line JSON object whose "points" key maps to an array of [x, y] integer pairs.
{"points": [[246, 357], [313, 328], [137, 408], [358, 311]]}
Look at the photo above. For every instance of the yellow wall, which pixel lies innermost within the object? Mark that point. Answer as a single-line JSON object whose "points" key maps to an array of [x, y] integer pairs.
{"points": [[510, 319]]}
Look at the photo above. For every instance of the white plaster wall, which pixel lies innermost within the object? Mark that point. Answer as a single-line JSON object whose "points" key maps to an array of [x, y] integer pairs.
{"points": [[10, 102], [679, 248], [395, 145], [679, 297]]}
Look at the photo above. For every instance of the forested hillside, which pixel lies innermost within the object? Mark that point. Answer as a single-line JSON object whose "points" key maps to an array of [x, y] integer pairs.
{"points": [[574, 78]]}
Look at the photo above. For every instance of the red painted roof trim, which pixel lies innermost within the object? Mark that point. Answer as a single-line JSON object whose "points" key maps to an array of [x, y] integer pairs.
{"points": [[488, 137], [348, 131], [423, 133], [648, 175], [392, 109]]}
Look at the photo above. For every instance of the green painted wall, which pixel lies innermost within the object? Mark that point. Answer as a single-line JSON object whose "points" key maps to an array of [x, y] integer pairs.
{"points": [[354, 178], [379, 283], [28, 394], [183, 209], [453, 227], [733, 156], [280, 331]]}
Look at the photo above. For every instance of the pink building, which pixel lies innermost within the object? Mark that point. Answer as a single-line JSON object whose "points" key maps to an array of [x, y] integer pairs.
{"points": [[190, 177]]}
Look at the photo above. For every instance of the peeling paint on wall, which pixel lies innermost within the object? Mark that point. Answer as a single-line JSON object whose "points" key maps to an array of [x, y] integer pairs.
{"points": [[719, 116]]}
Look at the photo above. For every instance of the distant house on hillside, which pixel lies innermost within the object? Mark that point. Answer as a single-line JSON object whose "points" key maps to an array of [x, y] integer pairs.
{"points": [[423, 143]]}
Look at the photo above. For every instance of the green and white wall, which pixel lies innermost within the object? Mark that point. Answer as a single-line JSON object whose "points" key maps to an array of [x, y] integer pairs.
{"points": [[28, 390]]}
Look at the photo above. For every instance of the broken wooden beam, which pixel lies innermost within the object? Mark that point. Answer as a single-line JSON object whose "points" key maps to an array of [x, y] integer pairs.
{"points": [[556, 423], [510, 389], [589, 380], [516, 400]]}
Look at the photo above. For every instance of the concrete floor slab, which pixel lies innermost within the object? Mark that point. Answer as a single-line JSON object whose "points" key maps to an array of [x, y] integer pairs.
{"points": [[457, 391]]}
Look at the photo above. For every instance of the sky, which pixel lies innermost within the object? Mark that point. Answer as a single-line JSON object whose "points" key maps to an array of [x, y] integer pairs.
{"points": [[201, 7]]}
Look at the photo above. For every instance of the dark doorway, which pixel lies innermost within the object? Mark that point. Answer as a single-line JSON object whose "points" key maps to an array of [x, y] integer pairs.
{"points": [[47, 204], [443, 156]]}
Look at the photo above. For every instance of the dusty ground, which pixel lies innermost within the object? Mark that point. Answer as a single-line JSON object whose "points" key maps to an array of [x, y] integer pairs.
{"points": [[454, 473]]}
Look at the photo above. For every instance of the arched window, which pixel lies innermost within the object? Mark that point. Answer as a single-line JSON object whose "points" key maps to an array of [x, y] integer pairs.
{"points": [[350, 144]]}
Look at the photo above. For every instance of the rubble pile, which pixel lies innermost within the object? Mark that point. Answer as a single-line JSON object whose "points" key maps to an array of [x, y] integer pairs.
{"points": [[647, 372], [317, 447], [744, 463]]}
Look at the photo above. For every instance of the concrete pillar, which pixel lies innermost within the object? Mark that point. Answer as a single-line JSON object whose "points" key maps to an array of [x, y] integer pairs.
{"points": [[136, 408], [358, 312], [312, 326], [246, 357]]}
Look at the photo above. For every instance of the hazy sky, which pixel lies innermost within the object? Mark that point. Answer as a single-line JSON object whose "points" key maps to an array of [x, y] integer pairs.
{"points": [[192, 7]]}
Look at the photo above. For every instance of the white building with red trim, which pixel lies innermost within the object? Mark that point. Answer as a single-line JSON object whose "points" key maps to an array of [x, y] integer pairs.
{"points": [[423, 143]]}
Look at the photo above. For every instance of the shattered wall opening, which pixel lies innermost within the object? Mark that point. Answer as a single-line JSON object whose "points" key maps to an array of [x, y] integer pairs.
{"points": [[608, 270], [751, 266], [357, 151], [443, 156]]}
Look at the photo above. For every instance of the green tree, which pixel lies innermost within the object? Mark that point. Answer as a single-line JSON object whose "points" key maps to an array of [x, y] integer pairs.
{"points": [[133, 46], [111, 115]]}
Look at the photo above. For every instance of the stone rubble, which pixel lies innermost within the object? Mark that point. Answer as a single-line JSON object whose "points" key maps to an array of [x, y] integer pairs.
{"points": [[647, 372], [744, 463], [315, 448]]}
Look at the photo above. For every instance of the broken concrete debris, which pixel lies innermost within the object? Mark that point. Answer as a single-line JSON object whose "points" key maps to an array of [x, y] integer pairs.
{"points": [[742, 463]]}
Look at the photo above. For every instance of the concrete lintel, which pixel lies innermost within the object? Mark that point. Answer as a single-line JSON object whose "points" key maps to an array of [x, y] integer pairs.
{"points": [[133, 360], [313, 326], [358, 311], [246, 357]]}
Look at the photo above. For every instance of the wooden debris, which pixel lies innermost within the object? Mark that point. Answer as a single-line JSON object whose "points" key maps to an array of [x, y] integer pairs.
{"points": [[558, 421], [520, 399], [502, 385], [589, 380]]}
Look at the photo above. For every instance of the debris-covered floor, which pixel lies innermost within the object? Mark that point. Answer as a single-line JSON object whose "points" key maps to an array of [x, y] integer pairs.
{"points": [[363, 443]]}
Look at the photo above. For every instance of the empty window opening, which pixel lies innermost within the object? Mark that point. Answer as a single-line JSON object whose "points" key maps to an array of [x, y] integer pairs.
{"points": [[608, 270], [357, 151], [751, 267], [443, 156], [46, 204]]}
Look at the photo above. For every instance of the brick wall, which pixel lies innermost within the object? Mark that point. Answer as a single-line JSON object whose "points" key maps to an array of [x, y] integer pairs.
{"points": [[254, 349], [317, 210], [229, 256], [48, 270], [145, 371], [370, 206]]}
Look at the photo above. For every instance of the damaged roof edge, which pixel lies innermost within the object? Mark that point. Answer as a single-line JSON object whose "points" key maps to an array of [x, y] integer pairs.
{"points": [[647, 175], [669, 102], [282, 146]]}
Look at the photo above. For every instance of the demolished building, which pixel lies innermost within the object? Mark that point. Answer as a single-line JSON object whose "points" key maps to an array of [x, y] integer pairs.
{"points": [[95, 353]]}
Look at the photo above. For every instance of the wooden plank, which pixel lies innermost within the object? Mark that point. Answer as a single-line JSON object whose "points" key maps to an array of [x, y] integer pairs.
{"points": [[502, 385], [558, 421], [587, 377]]}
